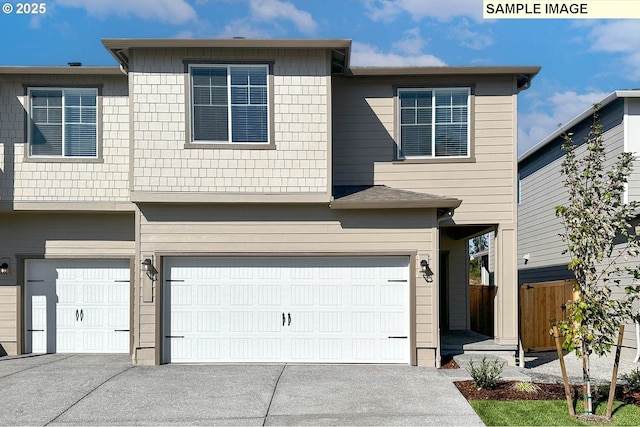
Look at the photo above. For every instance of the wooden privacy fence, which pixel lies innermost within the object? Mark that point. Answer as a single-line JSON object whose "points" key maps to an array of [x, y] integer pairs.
{"points": [[481, 308], [540, 303]]}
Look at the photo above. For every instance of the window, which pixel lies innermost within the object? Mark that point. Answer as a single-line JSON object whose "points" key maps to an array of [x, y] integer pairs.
{"points": [[63, 122], [434, 123], [229, 104]]}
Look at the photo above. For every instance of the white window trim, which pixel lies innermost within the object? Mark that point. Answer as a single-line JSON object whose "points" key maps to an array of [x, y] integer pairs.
{"points": [[29, 124], [433, 118], [230, 118]]}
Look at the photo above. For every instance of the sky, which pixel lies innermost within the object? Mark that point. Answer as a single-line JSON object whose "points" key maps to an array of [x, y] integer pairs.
{"points": [[582, 60]]}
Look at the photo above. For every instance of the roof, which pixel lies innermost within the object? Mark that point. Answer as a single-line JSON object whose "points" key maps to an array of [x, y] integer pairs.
{"points": [[71, 70], [524, 73], [120, 48], [383, 197], [632, 93]]}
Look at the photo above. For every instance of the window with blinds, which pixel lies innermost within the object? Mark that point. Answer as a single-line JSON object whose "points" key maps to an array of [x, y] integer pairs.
{"points": [[434, 123], [229, 104], [63, 122]]}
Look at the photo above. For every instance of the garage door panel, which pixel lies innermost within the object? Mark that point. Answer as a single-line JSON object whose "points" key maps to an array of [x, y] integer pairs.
{"points": [[86, 303], [286, 309]]}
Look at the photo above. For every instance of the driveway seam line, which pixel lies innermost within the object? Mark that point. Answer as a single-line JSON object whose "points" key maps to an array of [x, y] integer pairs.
{"points": [[87, 394], [275, 387], [33, 367]]}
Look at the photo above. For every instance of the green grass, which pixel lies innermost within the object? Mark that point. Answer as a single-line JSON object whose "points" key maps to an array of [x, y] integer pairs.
{"points": [[548, 413]]}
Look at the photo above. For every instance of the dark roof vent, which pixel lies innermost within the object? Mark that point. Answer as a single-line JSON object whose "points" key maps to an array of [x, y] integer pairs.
{"points": [[239, 38], [75, 64]]}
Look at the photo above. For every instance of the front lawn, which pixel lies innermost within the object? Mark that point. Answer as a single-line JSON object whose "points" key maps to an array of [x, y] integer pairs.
{"points": [[548, 413]]}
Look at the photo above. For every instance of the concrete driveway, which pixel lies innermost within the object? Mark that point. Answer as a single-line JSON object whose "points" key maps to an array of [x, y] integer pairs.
{"points": [[106, 389]]}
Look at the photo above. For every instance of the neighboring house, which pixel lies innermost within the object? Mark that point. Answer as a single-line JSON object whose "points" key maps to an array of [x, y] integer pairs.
{"points": [[252, 201], [541, 187]]}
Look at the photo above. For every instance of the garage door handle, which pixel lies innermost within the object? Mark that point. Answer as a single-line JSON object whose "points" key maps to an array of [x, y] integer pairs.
{"points": [[77, 315], [81, 316], [35, 330], [397, 338], [121, 330], [174, 336], [289, 316], [283, 319]]}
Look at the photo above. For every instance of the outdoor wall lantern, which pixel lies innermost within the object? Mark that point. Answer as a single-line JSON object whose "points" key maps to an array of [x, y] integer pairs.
{"points": [[426, 270], [4, 268], [147, 267]]}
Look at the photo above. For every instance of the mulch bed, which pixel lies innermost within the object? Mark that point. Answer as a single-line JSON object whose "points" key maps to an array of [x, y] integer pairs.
{"points": [[545, 391]]}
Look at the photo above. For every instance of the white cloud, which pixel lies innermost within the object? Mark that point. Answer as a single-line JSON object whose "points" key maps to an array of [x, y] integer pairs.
{"points": [[412, 43], [363, 54], [468, 38], [387, 10], [622, 37], [244, 28], [170, 11], [269, 10], [559, 108]]}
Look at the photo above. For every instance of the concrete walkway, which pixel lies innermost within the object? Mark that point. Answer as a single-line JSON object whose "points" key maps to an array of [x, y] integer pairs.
{"points": [[107, 390]]}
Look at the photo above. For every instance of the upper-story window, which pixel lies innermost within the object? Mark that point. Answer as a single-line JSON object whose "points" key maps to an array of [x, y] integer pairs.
{"points": [[229, 104], [434, 123], [63, 122]]}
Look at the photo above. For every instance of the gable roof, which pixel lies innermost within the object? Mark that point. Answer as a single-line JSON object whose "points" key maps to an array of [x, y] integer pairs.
{"points": [[632, 93]]}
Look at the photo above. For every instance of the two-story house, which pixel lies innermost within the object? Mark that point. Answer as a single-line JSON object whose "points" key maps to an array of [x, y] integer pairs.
{"points": [[252, 201], [540, 247]]}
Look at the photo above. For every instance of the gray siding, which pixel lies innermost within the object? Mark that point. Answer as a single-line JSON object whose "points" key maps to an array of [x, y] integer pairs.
{"points": [[538, 226]]}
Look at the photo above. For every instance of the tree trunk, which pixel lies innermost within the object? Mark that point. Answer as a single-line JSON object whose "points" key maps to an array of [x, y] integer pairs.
{"points": [[614, 375], [586, 380], [563, 368]]}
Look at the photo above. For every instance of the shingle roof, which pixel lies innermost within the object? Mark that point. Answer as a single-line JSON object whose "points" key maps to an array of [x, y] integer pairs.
{"points": [[383, 197]]}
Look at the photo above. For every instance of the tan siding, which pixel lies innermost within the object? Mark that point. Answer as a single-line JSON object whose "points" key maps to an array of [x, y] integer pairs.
{"points": [[8, 319], [299, 230], [364, 147], [299, 164], [52, 181], [458, 281]]}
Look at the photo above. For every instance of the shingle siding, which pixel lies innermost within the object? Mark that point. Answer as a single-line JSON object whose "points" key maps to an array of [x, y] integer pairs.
{"points": [[71, 181], [299, 164]]}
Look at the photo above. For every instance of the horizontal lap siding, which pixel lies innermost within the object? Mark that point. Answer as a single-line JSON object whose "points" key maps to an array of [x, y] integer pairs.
{"points": [[538, 227], [8, 319], [365, 147], [299, 164], [298, 230], [78, 181]]}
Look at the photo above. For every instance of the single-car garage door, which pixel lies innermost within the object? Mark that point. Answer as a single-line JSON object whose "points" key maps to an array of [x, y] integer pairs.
{"points": [[77, 306], [295, 309]]}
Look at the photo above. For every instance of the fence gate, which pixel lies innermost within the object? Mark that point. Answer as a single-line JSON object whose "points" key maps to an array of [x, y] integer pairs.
{"points": [[481, 304], [540, 303]]}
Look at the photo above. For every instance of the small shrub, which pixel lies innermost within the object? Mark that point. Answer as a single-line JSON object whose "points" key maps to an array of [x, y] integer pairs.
{"points": [[526, 387], [633, 380], [487, 375]]}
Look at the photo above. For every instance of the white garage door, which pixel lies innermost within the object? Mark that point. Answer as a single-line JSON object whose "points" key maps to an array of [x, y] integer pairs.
{"points": [[297, 309], [77, 306]]}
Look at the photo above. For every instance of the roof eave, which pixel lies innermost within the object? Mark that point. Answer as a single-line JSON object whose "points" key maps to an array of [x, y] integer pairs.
{"points": [[408, 204], [120, 48], [59, 70], [576, 120]]}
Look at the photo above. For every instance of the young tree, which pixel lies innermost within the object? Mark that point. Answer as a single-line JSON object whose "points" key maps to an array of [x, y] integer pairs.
{"points": [[599, 239]]}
